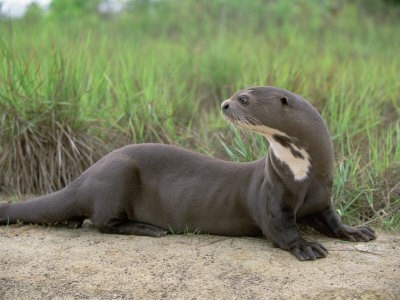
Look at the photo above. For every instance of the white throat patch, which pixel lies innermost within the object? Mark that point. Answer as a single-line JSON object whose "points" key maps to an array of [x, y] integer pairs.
{"points": [[297, 159]]}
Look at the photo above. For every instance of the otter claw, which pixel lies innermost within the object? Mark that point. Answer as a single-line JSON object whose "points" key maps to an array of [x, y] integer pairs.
{"points": [[356, 234], [308, 251]]}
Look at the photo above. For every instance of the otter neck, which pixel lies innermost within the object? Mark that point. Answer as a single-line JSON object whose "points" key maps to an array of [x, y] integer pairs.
{"points": [[296, 153], [286, 149], [294, 156], [303, 157]]}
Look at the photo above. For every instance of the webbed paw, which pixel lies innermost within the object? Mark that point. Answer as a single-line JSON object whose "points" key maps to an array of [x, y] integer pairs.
{"points": [[355, 234], [304, 250]]}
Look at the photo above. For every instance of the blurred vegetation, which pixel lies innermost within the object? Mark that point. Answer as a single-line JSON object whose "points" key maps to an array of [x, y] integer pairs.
{"points": [[76, 83]]}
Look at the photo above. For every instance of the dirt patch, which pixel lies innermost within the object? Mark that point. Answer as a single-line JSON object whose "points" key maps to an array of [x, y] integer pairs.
{"points": [[58, 263]]}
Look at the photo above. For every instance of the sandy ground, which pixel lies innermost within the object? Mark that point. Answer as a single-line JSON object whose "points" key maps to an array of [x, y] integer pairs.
{"points": [[38, 262]]}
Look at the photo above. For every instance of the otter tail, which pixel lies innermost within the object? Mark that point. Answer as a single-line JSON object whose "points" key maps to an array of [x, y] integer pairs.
{"points": [[51, 208]]}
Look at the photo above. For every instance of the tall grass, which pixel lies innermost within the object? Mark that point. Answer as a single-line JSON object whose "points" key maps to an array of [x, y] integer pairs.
{"points": [[158, 72]]}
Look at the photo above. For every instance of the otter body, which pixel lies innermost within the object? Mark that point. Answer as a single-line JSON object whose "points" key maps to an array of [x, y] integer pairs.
{"points": [[149, 189]]}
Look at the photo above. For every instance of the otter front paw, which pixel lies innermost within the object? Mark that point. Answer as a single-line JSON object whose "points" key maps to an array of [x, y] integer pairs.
{"points": [[304, 250], [355, 234]]}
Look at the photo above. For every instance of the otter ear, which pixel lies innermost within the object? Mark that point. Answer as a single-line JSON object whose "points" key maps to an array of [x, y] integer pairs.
{"points": [[284, 101]]}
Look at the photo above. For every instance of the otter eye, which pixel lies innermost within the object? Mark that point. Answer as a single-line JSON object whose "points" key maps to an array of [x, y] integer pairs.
{"points": [[243, 99], [284, 101]]}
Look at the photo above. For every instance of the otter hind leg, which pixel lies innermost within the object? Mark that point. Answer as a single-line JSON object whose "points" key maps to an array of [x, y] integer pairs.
{"points": [[75, 222], [133, 228], [329, 223]]}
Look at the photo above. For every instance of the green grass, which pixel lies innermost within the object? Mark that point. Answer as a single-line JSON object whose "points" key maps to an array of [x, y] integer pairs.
{"points": [[73, 89]]}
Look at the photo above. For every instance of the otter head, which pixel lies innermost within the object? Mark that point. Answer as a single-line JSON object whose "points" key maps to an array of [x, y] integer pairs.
{"points": [[291, 125]]}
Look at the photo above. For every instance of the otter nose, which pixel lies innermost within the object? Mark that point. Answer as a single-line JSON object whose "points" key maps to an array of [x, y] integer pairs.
{"points": [[225, 105]]}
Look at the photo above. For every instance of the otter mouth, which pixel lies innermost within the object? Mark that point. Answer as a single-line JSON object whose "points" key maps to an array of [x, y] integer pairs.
{"points": [[240, 120], [232, 117]]}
